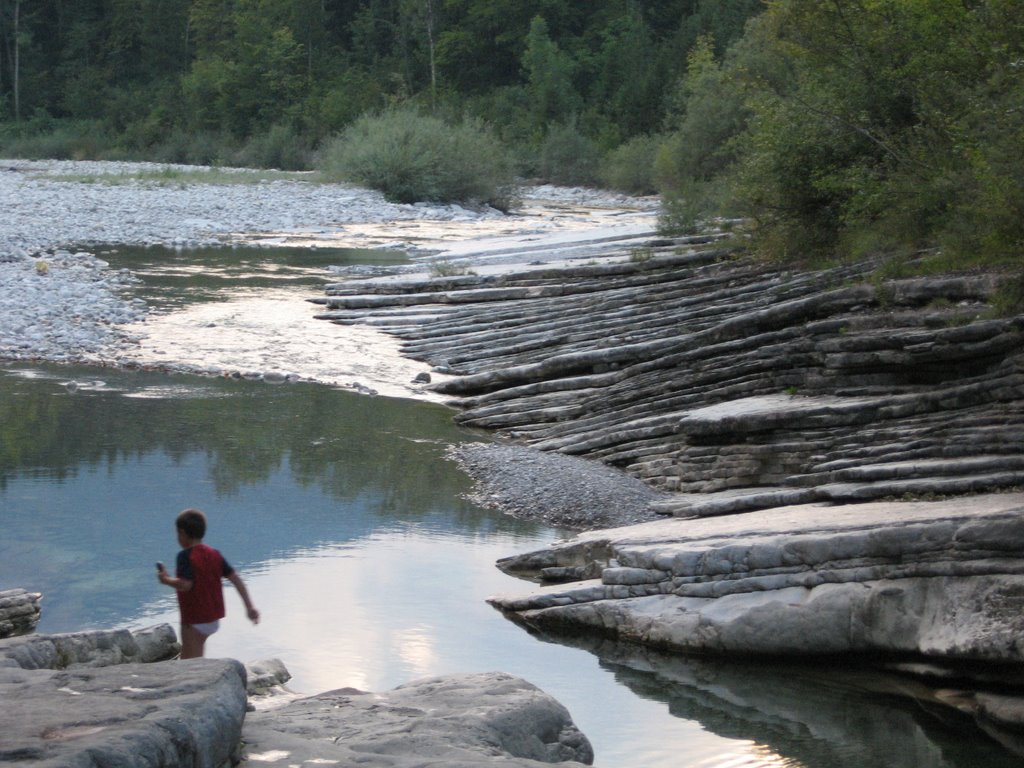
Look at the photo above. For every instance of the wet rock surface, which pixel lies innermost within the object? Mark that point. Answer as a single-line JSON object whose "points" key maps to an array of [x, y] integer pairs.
{"points": [[456, 720]]}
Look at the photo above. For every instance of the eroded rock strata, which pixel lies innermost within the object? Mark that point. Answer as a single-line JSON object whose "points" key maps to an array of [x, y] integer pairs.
{"points": [[786, 419], [731, 385], [942, 579], [19, 611]]}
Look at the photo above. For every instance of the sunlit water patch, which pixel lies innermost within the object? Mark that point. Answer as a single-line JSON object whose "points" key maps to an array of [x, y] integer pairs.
{"points": [[245, 311], [175, 278]]}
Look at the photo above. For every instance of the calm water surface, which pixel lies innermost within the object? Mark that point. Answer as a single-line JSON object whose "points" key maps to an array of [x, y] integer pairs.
{"points": [[370, 569]]}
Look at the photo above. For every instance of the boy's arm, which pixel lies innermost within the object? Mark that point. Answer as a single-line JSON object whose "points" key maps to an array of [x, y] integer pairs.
{"points": [[181, 585], [254, 615]]}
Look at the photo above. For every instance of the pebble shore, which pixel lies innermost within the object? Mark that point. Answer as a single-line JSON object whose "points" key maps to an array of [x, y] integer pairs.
{"points": [[60, 302]]}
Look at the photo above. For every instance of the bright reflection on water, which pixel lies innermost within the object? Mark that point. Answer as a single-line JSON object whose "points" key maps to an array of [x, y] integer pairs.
{"points": [[246, 310], [347, 522], [174, 278]]}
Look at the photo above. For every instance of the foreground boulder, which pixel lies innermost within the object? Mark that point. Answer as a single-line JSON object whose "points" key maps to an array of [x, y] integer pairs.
{"points": [[89, 699], [97, 700], [941, 580], [172, 714], [459, 720]]}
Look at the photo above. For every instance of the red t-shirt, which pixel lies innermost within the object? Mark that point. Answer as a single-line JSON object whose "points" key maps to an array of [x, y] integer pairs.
{"points": [[204, 567]]}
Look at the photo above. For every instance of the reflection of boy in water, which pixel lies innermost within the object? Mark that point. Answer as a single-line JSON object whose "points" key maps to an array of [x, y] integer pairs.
{"points": [[197, 581]]}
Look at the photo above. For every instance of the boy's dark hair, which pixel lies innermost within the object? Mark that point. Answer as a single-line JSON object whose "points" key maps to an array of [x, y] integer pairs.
{"points": [[192, 522]]}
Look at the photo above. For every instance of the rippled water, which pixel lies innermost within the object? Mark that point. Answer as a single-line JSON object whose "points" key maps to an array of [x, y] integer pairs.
{"points": [[348, 523]]}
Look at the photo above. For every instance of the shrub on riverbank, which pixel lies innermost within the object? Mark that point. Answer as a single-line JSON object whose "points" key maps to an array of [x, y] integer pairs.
{"points": [[412, 157]]}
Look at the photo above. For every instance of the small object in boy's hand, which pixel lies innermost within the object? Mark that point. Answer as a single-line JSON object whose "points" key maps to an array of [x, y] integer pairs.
{"points": [[160, 567]]}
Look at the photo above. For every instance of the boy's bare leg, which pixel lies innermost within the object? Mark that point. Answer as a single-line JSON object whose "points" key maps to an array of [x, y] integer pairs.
{"points": [[193, 642]]}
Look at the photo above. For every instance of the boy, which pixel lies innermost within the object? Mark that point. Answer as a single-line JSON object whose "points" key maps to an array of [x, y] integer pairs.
{"points": [[197, 581]]}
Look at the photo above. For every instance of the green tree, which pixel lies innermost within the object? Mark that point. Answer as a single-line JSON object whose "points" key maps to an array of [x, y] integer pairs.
{"points": [[253, 79], [628, 88], [865, 127], [549, 79], [709, 113], [410, 156]]}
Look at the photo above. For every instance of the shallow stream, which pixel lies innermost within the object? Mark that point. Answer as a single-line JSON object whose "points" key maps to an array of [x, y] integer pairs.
{"points": [[370, 569]]}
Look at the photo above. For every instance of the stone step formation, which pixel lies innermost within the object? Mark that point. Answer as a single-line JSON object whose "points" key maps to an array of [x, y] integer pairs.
{"points": [[836, 455], [730, 384]]}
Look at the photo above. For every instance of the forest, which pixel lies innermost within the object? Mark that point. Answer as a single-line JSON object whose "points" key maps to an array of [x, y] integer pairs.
{"points": [[830, 128]]}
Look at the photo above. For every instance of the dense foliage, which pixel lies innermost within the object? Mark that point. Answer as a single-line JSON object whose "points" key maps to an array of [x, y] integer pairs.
{"points": [[144, 68], [411, 157], [834, 126]]}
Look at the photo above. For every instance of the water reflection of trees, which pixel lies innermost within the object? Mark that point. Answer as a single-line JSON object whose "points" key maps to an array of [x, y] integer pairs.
{"points": [[815, 714], [347, 445]]}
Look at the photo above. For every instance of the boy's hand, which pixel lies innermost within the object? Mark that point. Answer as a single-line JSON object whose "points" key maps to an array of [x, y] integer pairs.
{"points": [[254, 616]]}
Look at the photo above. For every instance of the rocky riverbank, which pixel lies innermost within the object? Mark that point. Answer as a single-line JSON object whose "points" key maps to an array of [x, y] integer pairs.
{"points": [[837, 455], [60, 300], [111, 698], [753, 408]]}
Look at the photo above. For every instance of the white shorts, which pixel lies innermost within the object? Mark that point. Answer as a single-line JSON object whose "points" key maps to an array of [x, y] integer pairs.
{"points": [[206, 629]]}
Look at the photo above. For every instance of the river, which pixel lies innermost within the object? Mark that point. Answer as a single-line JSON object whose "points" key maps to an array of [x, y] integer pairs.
{"points": [[350, 526]]}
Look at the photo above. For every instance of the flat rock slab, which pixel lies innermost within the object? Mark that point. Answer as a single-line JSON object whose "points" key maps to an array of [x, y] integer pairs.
{"points": [[456, 720], [181, 713], [942, 579]]}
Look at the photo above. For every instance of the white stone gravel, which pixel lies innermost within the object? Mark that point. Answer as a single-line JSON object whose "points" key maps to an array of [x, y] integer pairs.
{"points": [[59, 302]]}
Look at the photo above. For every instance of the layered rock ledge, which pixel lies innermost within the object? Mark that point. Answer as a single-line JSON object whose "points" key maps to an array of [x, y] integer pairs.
{"points": [[941, 579], [933, 591], [19, 611], [837, 454], [726, 383]]}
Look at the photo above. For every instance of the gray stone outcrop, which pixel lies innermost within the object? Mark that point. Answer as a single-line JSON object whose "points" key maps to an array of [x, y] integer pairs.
{"points": [[96, 699], [19, 611], [730, 384], [457, 720], [941, 579], [90, 649], [170, 714]]}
